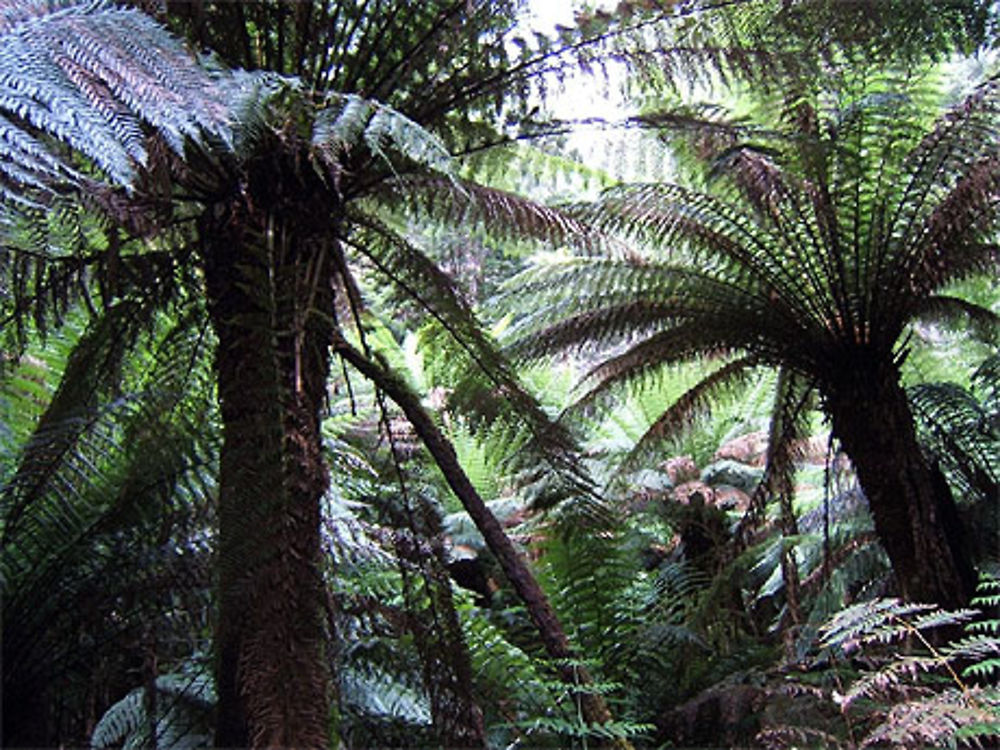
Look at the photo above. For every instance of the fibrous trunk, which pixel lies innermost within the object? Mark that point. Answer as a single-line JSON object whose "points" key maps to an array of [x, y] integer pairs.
{"points": [[268, 282], [912, 507]]}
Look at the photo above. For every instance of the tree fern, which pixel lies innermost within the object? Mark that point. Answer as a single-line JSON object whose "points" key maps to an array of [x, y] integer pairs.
{"points": [[777, 262]]}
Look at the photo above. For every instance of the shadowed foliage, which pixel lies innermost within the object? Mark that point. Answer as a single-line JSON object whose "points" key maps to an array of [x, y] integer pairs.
{"points": [[275, 183]]}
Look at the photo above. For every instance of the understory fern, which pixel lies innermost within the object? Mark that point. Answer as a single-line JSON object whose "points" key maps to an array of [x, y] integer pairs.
{"points": [[906, 675], [177, 718]]}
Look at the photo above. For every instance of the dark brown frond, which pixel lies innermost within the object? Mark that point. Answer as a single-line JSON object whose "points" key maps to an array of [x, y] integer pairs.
{"points": [[967, 213], [504, 214]]}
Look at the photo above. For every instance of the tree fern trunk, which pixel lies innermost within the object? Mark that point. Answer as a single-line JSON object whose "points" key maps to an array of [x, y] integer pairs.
{"points": [[914, 513], [267, 278]]}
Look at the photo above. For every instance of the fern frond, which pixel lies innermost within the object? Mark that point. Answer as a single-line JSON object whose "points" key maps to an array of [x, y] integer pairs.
{"points": [[956, 430], [93, 369], [502, 214], [183, 703], [948, 163], [139, 463], [91, 75], [422, 281], [715, 236], [695, 402], [987, 378], [787, 429], [853, 625], [978, 320], [946, 717], [981, 649], [347, 120]]}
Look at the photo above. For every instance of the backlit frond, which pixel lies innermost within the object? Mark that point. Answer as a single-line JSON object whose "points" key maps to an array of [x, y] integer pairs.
{"points": [[695, 402], [348, 120], [503, 214], [941, 308], [423, 282]]}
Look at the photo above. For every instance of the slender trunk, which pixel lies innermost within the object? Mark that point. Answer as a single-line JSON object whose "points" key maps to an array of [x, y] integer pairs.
{"points": [[267, 277], [914, 513], [593, 707]]}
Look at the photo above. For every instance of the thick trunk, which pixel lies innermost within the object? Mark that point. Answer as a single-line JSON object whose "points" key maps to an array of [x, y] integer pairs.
{"points": [[267, 278], [557, 646], [914, 513]]}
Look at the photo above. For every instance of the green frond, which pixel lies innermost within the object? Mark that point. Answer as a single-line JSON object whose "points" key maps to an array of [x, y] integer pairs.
{"points": [[957, 429], [501, 214], [348, 120], [986, 380], [696, 401], [687, 340], [182, 721], [978, 320], [421, 281], [593, 330], [723, 242], [93, 75], [83, 602], [253, 99], [788, 428], [382, 698], [92, 372], [934, 225]]}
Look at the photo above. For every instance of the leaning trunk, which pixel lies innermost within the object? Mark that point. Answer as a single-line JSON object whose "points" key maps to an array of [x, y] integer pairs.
{"points": [[593, 708], [267, 277], [914, 512]]}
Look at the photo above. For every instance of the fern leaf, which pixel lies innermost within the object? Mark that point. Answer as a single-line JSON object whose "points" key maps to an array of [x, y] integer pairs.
{"points": [[947, 716], [852, 626], [91, 75], [120, 722], [889, 678], [348, 121]]}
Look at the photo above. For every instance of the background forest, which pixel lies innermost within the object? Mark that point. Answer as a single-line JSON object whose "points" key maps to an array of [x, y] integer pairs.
{"points": [[364, 383]]}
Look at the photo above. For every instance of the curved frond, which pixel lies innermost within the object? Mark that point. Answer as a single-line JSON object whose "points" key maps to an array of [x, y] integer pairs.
{"points": [[695, 402], [939, 308], [502, 214], [118, 517], [422, 281], [93, 76], [935, 225], [787, 433], [348, 119], [722, 240], [961, 435]]}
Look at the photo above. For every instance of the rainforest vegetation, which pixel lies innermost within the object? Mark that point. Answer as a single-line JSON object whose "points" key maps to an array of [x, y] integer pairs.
{"points": [[353, 394]]}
